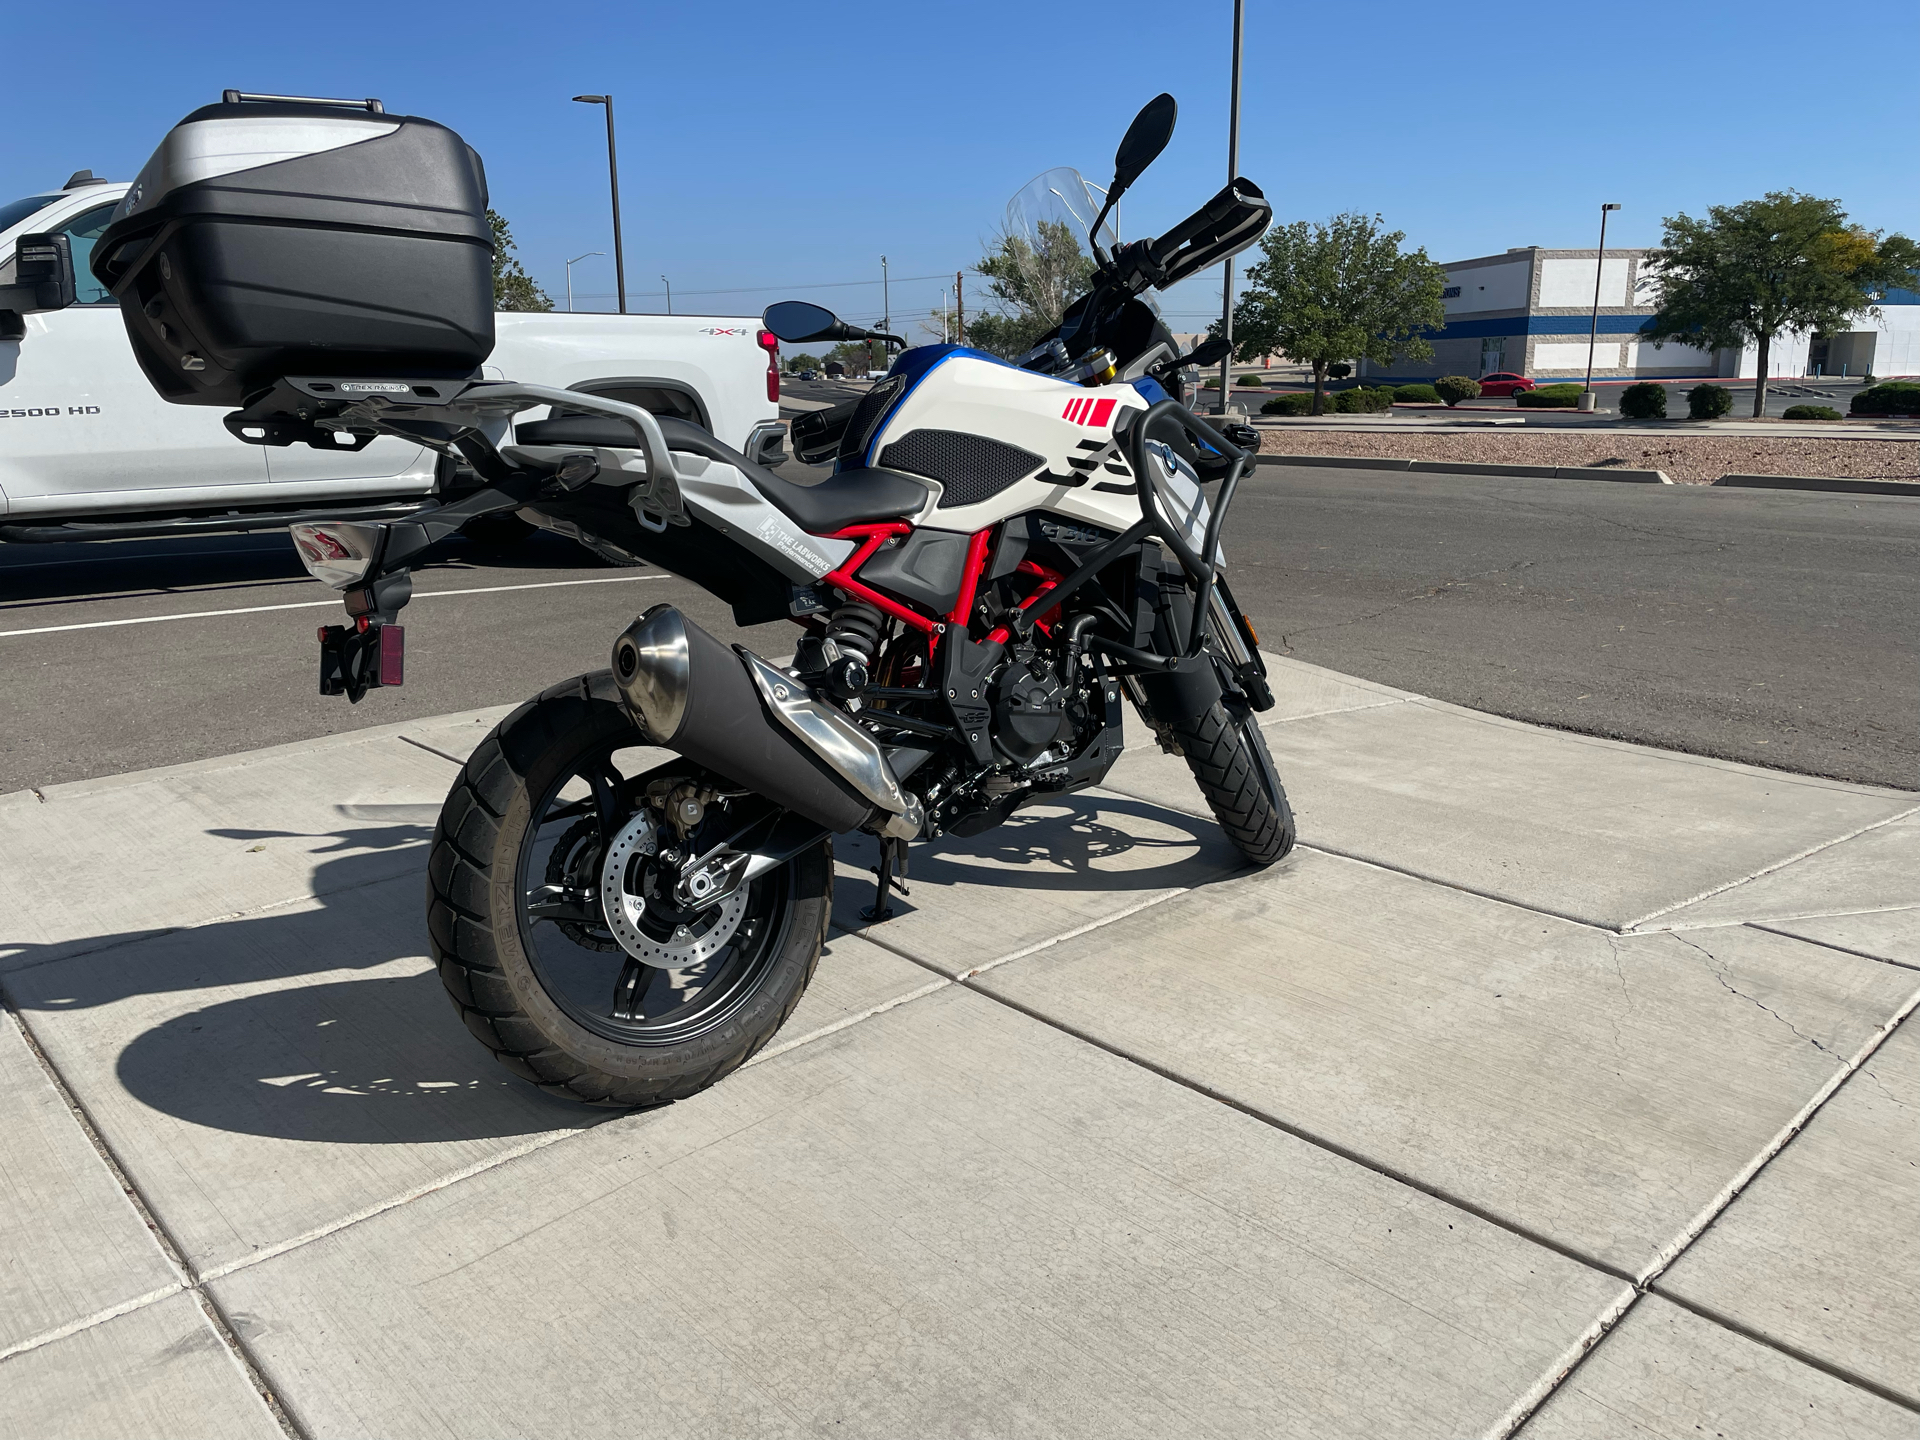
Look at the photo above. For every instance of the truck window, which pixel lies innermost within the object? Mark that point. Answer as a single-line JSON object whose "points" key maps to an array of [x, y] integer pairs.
{"points": [[83, 230], [14, 211]]}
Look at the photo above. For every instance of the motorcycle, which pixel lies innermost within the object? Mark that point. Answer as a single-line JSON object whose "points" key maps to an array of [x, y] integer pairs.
{"points": [[1004, 555]]}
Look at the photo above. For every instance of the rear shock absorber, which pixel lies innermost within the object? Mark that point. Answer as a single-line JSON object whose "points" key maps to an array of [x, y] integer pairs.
{"points": [[855, 628]]}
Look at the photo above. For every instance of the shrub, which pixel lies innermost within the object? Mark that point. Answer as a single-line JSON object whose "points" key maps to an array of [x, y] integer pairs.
{"points": [[1415, 395], [1253, 382], [1455, 388], [1645, 401], [1895, 397], [1361, 401], [1810, 412], [1297, 404], [1708, 402], [1548, 397], [1339, 370]]}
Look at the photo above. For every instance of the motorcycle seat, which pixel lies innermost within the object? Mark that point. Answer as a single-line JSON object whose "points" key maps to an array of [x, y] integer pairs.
{"points": [[849, 497]]}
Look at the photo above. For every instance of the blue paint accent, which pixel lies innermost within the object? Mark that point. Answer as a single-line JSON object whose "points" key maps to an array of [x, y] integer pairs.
{"points": [[1150, 389], [916, 364], [918, 361], [1900, 297]]}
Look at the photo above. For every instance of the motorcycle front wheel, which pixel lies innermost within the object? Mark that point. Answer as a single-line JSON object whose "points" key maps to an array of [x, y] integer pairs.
{"points": [[637, 1004]]}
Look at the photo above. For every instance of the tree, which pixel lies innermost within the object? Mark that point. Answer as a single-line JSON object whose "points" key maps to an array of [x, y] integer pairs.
{"points": [[856, 355], [1326, 293], [513, 288], [802, 361], [1784, 262], [1032, 283]]}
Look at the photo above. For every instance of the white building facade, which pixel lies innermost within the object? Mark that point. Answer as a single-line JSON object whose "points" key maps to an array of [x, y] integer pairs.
{"points": [[1531, 312]]}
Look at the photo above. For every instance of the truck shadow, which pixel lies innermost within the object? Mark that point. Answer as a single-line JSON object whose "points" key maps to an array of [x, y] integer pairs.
{"points": [[325, 1020], [205, 567]]}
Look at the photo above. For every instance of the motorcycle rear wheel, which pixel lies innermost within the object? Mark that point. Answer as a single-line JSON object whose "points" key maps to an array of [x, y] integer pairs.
{"points": [[558, 1001]]}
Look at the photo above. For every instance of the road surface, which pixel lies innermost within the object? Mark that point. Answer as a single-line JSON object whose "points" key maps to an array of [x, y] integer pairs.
{"points": [[1769, 626]]}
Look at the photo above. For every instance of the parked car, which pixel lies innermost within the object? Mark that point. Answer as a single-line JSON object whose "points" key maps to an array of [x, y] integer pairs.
{"points": [[809, 374], [1501, 383], [88, 450]]}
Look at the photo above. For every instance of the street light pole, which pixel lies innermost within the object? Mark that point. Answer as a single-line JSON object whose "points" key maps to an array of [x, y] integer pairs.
{"points": [[613, 178], [1593, 330], [570, 264], [886, 305], [669, 284], [1233, 172]]}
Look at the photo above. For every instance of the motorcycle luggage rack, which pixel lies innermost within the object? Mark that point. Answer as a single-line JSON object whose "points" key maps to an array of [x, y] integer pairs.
{"points": [[1158, 506]]}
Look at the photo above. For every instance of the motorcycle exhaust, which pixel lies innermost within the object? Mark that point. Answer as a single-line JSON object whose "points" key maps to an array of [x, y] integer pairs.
{"points": [[751, 722]]}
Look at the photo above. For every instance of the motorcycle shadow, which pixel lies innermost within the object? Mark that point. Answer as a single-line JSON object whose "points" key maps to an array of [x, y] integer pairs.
{"points": [[323, 1021], [1086, 843]]}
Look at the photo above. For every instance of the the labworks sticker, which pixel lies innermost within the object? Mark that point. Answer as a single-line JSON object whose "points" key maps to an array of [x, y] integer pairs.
{"points": [[784, 540]]}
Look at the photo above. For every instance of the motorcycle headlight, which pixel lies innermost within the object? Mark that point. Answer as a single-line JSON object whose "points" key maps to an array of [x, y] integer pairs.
{"points": [[339, 552]]}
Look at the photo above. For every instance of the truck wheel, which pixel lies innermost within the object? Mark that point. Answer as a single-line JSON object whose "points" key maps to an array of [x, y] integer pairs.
{"points": [[588, 979]]}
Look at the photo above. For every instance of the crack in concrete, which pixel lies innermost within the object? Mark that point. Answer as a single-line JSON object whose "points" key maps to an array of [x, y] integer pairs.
{"points": [[1713, 963]]}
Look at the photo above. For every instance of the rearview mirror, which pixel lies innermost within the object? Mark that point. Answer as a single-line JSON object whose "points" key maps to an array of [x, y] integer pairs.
{"points": [[42, 281], [797, 322], [1152, 128], [1210, 352]]}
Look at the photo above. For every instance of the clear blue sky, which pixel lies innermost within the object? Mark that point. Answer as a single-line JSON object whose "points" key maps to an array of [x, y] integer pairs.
{"points": [[792, 144]]}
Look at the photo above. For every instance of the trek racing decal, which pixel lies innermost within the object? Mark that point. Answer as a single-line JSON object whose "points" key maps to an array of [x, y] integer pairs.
{"points": [[1089, 412]]}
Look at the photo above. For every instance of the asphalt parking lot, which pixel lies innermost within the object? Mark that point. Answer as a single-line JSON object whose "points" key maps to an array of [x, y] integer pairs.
{"points": [[1772, 627]]}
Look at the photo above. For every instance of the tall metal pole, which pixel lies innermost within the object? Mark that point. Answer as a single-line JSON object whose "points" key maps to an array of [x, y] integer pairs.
{"points": [[570, 264], [669, 284], [1233, 172], [613, 178], [1593, 330], [886, 305], [959, 308]]}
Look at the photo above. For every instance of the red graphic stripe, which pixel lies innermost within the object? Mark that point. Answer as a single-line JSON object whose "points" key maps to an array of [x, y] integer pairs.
{"points": [[1102, 411], [1067, 414]]}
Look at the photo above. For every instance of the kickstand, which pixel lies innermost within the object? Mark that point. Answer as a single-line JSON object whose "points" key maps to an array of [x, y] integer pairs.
{"points": [[893, 853]]}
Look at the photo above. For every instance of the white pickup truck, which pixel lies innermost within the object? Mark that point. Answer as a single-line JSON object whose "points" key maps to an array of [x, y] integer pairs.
{"points": [[89, 451]]}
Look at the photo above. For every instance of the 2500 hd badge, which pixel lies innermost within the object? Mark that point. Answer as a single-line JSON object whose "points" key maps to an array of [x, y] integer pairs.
{"points": [[49, 410]]}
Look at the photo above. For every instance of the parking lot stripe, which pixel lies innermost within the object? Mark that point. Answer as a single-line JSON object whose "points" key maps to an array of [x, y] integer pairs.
{"points": [[310, 604]]}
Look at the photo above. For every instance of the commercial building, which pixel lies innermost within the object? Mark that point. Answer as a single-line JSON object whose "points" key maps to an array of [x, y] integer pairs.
{"points": [[1529, 311]]}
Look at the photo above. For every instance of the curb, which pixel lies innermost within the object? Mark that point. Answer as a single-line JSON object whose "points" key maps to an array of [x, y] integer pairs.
{"points": [[1449, 467], [1818, 482]]}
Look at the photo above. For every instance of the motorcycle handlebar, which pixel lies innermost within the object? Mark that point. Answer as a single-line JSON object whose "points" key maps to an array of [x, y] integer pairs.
{"points": [[1220, 229]]}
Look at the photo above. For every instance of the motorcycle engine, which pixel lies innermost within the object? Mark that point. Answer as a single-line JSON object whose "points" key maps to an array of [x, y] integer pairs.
{"points": [[1030, 709]]}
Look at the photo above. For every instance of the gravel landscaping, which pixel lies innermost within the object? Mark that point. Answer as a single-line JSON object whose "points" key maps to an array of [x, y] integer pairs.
{"points": [[1687, 459]]}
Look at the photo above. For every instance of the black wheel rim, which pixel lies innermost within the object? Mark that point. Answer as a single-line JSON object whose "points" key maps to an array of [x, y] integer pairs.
{"points": [[572, 951]]}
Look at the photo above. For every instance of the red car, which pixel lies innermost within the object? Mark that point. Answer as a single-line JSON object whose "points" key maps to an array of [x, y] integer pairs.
{"points": [[1501, 383]]}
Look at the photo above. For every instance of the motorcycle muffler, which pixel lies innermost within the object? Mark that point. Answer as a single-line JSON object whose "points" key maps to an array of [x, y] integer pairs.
{"points": [[732, 712]]}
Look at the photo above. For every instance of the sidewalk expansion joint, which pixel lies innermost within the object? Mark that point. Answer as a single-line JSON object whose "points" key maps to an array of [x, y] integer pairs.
{"points": [[1771, 929], [1811, 850], [1807, 1358], [234, 1347], [1643, 1284], [422, 745]]}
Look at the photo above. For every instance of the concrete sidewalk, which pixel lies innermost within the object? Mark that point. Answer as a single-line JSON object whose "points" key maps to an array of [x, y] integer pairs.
{"points": [[1553, 1085]]}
